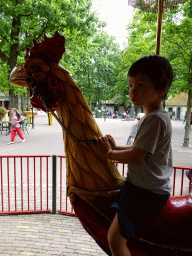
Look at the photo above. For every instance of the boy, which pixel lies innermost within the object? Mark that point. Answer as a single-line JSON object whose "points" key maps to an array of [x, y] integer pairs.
{"points": [[148, 185]]}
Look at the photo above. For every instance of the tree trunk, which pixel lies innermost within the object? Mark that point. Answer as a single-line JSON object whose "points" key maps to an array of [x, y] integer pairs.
{"points": [[12, 61], [19, 104], [89, 86], [28, 100], [13, 101], [23, 103], [90, 101], [99, 98], [188, 119]]}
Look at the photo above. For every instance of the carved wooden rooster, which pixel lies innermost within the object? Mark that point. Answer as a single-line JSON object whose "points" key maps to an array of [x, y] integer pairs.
{"points": [[92, 179]]}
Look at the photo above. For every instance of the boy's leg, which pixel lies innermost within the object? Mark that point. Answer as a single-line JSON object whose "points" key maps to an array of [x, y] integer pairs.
{"points": [[117, 243], [20, 133]]}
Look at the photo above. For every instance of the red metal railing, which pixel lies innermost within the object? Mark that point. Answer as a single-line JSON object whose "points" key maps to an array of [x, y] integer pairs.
{"points": [[180, 171], [29, 184], [65, 205], [24, 184], [181, 184]]}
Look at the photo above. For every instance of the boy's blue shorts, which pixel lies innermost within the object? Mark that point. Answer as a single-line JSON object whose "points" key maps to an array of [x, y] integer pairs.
{"points": [[136, 206]]}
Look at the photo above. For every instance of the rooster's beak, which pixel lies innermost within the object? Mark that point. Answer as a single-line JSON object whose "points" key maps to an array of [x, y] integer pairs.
{"points": [[18, 75]]}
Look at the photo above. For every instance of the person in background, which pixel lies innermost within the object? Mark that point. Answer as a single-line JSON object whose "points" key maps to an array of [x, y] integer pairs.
{"points": [[134, 130], [15, 126], [185, 117], [189, 176], [191, 119]]}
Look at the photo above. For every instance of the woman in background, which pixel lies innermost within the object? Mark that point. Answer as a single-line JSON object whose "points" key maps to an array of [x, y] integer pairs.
{"points": [[15, 126]]}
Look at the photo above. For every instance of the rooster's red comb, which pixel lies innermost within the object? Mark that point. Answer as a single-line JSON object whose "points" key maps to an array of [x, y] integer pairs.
{"points": [[49, 50]]}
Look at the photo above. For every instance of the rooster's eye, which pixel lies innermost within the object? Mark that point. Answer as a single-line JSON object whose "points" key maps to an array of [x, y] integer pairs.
{"points": [[34, 69]]}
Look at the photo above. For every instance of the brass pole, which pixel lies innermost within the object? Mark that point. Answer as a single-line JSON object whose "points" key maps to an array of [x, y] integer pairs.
{"points": [[159, 26]]}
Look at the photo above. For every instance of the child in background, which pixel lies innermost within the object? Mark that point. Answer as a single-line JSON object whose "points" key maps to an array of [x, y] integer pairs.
{"points": [[134, 128], [148, 184]]}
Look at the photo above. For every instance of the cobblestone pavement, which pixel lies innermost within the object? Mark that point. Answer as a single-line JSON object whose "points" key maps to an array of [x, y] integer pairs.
{"points": [[48, 234], [45, 234]]}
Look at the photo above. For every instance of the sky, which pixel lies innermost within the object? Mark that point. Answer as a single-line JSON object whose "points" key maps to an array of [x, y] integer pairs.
{"points": [[117, 15]]}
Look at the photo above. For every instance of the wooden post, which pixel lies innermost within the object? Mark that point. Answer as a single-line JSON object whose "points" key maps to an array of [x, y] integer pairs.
{"points": [[159, 26]]}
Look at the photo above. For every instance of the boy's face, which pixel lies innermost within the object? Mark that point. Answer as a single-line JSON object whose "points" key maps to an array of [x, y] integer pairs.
{"points": [[143, 94]]}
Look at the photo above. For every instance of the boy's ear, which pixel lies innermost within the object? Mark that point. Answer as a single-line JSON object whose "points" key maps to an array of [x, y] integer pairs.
{"points": [[163, 91]]}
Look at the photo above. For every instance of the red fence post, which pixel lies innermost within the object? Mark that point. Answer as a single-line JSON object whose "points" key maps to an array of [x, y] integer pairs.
{"points": [[21, 183], [15, 184], [61, 180], [54, 184], [1, 165], [28, 183], [34, 184], [8, 187]]}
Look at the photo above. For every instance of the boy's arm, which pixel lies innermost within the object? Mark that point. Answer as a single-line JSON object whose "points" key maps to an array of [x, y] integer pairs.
{"points": [[122, 154], [133, 155], [123, 147], [113, 144]]}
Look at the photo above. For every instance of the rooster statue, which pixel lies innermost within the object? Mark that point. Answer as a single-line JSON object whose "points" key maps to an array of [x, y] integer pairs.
{"points": [[94, 181]]}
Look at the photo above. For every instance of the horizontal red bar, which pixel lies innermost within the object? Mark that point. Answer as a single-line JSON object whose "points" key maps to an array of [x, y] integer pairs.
{"points": [[182, 167], [12, 156], [24, 212], [67, 213]]}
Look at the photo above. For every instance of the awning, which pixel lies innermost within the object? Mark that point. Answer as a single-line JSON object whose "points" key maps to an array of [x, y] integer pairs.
{"points": [[152, 5], [156, 6]]}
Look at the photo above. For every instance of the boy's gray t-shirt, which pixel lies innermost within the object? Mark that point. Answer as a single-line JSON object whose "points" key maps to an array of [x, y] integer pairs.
{"points": [[154, 136]]}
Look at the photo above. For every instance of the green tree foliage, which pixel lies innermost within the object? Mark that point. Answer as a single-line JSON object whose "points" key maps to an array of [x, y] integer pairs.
{"points": [[2, 112], [4, 77], [141, 41], [101, 53], [177, 45], [23, 21]]}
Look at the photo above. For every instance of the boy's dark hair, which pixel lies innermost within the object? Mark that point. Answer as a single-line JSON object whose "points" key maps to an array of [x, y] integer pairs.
{"points": [[157, 68]]}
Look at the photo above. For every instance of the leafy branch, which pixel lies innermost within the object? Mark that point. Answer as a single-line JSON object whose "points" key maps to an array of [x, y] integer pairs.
{"points": [[3, 56], [176, 43]]}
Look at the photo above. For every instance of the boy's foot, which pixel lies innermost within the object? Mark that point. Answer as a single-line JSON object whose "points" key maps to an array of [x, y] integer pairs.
{"points": [[11, 142], [23, 140]]}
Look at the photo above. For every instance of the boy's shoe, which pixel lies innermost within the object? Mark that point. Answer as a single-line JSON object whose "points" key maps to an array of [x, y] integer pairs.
{"points": [[23, 140], [11, 142]]}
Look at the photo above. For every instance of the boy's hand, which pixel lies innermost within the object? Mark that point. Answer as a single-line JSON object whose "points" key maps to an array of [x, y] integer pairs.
{"points": [[111, 141], [104, 145]]}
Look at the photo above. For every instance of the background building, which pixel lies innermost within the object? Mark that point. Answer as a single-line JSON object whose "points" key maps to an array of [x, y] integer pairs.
{"points": [[177, 106], [4, 100]]}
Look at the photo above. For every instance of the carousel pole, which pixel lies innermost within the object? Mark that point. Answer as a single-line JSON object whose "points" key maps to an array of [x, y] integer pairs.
{"points": [[159, 26]]}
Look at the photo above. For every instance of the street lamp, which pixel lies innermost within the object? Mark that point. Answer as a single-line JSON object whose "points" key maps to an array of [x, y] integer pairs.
{"points": [[98, 95], [32, 119], [105, 70]]}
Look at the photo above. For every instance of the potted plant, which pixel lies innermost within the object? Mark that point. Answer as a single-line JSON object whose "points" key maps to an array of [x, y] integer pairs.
{"points": [[3, 112]]}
